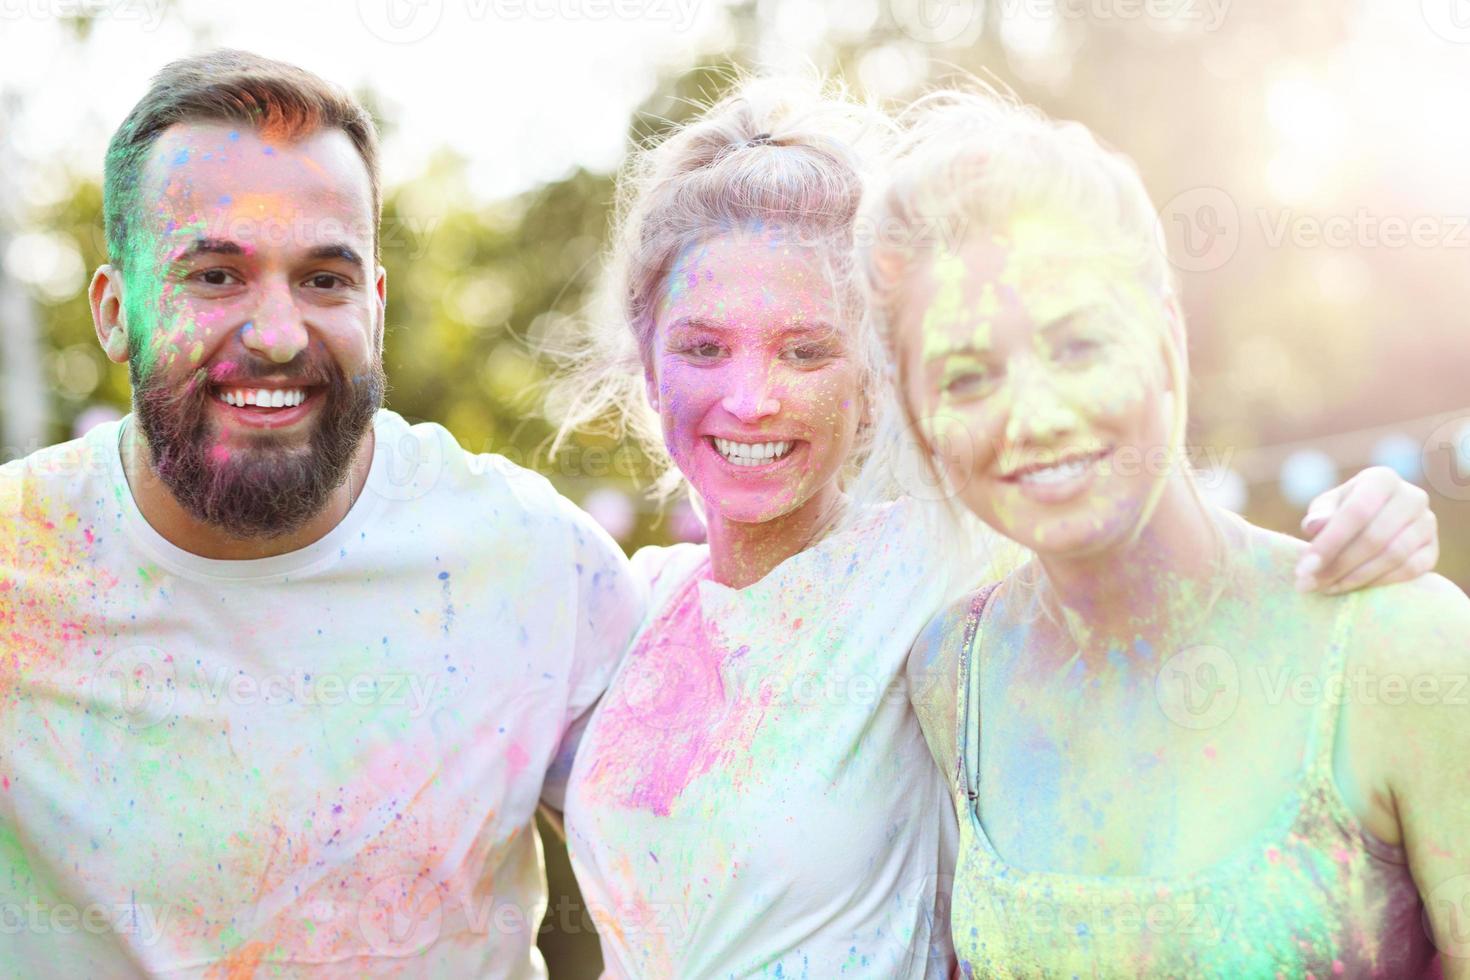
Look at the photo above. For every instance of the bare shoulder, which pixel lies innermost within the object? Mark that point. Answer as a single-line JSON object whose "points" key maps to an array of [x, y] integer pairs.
{"points": [[1418, 626], [933, 678], [936, 653]]}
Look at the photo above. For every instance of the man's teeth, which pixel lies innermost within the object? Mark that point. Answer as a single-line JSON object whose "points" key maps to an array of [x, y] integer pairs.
{"points": [[751, 454], [263, 397], [1059, 473]]}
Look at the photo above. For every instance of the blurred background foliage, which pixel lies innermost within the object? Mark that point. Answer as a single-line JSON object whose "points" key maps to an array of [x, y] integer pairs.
{"points": [[1310, 361]]}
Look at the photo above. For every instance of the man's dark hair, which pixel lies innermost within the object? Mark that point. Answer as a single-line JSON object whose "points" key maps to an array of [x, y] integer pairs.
{"points": [[272, 97]]}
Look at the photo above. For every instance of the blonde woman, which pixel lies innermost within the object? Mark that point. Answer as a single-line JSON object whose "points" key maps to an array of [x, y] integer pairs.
{"points": [[1164, 758]]}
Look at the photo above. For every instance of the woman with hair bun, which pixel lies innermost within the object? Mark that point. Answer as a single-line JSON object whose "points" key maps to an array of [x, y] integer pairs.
{"points": [[753, 796]]}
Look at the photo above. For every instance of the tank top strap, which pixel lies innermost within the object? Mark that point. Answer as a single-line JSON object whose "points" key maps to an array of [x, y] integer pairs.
{"points": [[966, 784], [1323, 736]]}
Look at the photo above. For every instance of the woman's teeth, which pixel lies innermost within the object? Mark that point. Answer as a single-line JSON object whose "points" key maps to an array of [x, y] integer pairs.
{"points": [[751, 454], [263, 397], [1059, 473]]}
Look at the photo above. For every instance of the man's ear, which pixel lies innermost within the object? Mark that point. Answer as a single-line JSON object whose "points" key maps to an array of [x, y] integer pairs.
{"points": [[109, 317], [380, 294]]}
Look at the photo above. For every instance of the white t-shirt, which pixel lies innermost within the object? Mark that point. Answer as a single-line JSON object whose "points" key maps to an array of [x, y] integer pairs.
{"points": [[753, 795], [322, 763]]}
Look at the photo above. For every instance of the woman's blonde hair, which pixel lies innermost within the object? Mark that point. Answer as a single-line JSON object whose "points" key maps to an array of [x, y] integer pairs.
{"points": [[967, 161], [791, 152]]}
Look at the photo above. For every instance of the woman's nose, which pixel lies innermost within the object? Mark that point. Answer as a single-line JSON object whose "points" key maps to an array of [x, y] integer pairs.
{"points": [[751, 400], [1040, 410]]}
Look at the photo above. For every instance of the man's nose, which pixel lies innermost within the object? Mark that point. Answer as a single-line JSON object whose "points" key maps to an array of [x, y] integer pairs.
{"points": [[277, 331]]}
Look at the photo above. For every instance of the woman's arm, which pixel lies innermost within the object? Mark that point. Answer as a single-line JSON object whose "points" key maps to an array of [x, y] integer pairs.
{"points": [[1413, 699]]}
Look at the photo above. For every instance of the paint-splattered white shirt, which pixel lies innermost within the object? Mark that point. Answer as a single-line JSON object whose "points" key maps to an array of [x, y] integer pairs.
{"points": [[323, 763], [753, 796]]}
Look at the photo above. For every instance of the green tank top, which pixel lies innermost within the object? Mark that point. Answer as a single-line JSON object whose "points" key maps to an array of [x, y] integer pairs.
{"points": [[1313, 894]]}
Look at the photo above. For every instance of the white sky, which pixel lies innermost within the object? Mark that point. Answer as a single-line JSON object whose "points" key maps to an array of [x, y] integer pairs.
{"points": [[525, 89]]}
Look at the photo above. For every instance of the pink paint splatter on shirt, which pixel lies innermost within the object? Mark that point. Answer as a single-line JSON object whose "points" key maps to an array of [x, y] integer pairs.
{"points": [[671, 717], [517, 758]]}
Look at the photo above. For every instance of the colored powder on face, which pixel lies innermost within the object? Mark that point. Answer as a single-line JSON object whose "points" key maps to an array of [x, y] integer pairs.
{"points": [[947, 309]]}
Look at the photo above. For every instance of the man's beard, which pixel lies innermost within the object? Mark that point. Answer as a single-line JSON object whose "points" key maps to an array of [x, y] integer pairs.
{"points": [[264, 489]]}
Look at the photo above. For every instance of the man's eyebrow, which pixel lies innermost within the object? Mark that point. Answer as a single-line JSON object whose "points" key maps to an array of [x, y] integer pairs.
{"points": [[343, 253], [210, 246]]}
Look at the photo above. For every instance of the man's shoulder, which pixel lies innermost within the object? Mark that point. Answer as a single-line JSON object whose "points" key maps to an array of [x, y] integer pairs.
{"points": [[60, 477], [424, 462]]}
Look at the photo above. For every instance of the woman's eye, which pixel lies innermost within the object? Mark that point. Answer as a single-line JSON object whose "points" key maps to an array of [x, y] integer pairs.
{"points": [[1076, 350], [807, 354], [703, 348], [967, 383]]}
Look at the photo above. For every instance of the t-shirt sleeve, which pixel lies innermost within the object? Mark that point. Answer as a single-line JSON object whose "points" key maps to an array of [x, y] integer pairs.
{"points": [[611, 599]]}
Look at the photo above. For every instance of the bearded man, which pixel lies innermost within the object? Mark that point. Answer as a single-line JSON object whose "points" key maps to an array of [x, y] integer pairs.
{"points": [[281, 675]]}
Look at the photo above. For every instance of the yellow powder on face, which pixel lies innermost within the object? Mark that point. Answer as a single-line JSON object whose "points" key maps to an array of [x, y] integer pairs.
{"points": [[947, 309]]}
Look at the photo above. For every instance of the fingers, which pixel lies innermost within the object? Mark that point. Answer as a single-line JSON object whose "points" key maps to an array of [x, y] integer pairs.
{"points": [[1323, 506], [1397, 560], [1344, 513], [1386, 569]]}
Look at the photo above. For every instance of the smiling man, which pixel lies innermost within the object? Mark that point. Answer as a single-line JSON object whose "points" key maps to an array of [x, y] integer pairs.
{"points": [[280, 675]]}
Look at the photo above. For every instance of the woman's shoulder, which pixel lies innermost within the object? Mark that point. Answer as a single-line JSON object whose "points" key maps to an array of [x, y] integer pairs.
{"points": [[932, 673], [936, 653], [1420, 626], [662, 567], [1427, 618]]}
